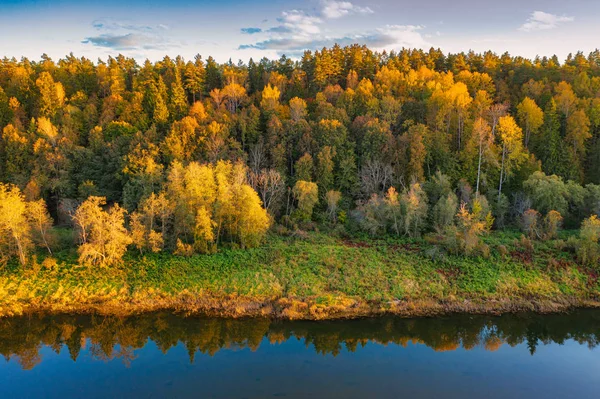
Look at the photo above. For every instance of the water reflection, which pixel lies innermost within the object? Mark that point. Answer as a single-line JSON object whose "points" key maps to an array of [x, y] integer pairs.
{"points": [[109, 338]]}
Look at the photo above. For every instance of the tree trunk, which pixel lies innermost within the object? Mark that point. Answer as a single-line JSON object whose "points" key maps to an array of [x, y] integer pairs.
{"points": [[501, 172], [478, 169]]}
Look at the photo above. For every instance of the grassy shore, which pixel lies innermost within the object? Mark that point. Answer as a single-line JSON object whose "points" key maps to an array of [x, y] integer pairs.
{"points": [[317, 276]]}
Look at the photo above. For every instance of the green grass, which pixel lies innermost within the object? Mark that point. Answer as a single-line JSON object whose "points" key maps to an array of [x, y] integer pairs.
{"points": [[319, 270]]}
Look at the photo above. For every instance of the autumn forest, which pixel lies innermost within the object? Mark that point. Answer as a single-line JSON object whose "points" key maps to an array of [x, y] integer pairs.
{"points": [[446, 152]]}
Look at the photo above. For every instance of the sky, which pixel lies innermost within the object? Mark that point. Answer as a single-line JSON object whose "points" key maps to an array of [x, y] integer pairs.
{"points": [[240, 29]]}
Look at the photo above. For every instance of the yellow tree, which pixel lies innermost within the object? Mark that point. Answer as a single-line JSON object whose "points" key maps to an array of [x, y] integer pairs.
{"points": [[297, 109], [204, 231], [52, 95], [513, 153], [215, 136], [531, 117], [41, 223], [459, 93], [483, 139], [270, 98], [102, 234], [307, 195], [150, 222], [565, 98], [182, 142], [15, 232], [234, 95], [250, 220], [578, 132]]}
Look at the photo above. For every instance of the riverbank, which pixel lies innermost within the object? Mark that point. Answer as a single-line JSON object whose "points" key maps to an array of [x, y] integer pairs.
{"points": [[315, 276]]}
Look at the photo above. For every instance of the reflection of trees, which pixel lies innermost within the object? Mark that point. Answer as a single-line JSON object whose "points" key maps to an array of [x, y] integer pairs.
{"points": [[117, 338]]}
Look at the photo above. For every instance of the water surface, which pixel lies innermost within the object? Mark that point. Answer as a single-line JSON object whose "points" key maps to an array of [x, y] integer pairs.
{"points": [[161, 355]]}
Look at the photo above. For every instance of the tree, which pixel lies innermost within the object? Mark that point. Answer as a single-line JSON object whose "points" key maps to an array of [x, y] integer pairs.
{"points": [[194, 77], [333, 199], [417, 152], [415, 204], [550, 147], [52, 95], [213, 203], [151, 221], [565, 98], [178, 105], [102, 234], [484, 141], [325, 167], [269, 185], [588, 246], [547, 192], [444, 212], [40, 222], [471, 224], [530, 116], [270, 98], [234, 95], [15, 233], [307, 196], [297, 109], [578, 132], [513, 154], [304, 168]]}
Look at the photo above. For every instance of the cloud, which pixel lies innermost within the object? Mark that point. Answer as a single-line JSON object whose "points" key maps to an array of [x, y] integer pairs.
{"points": [[387, 37], [124, 35], [251, 31], [129, 41], [299, 30], [333, 9], [540, 20], [298, 22]]}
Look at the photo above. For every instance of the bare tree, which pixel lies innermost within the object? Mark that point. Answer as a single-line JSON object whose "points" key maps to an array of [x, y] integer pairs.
{"points": [[375, 177], [269, 185], [257, 156], [496, 112]]}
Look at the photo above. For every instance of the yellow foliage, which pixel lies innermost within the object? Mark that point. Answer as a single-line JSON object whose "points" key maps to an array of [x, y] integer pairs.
{"points": [[103, 236], [15, 234], [270, 98]]}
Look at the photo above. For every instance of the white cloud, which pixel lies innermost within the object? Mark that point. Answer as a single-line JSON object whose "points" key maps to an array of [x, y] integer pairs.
{"points": [[333, 9], [388, 37], [126, 35], [299, 22], [540, 20], [299, 30]]}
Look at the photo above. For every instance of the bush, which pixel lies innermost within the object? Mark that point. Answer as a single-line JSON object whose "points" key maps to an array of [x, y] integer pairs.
{"points": [[465, 237], [552, 223], [588, 248], [530, 223]]}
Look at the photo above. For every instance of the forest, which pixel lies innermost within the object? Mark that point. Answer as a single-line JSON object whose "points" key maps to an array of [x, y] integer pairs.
{"points": [[111, 159]]}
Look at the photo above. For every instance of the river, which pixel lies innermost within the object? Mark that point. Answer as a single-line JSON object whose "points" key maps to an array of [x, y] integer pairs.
{"points": [[163, 355]]}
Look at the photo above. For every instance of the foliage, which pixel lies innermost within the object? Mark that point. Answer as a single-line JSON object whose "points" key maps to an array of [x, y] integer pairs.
{"points": [[102, 234], [307, 196], [588, 247]]}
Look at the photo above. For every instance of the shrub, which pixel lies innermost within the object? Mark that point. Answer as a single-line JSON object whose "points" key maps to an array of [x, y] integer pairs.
{"points": [[471, 225], [552, 223], [444, 212], [530, 223], [588, 248]]}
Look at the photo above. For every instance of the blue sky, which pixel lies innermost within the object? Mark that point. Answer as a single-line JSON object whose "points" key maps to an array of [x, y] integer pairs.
{"points": [[240, 29]]}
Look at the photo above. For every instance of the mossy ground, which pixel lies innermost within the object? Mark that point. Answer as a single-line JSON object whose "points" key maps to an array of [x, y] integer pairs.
{"points": [[317, 276]]}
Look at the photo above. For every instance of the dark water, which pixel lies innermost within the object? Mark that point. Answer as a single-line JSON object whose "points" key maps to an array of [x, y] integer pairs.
{"points": [[160, 355]]}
